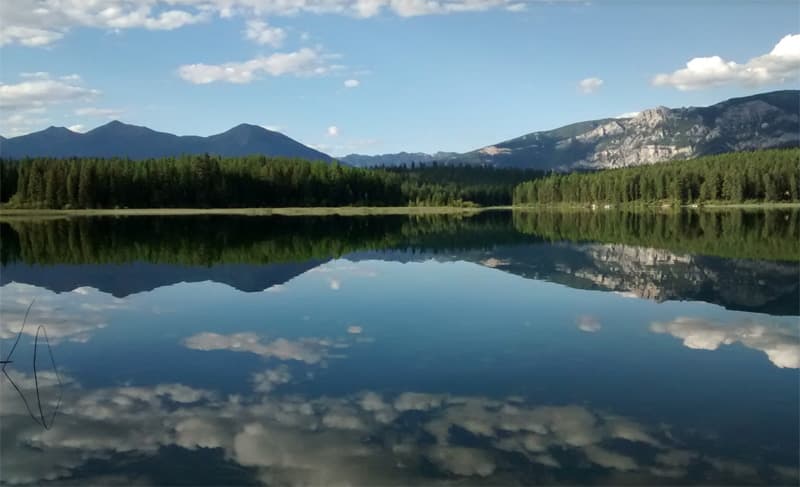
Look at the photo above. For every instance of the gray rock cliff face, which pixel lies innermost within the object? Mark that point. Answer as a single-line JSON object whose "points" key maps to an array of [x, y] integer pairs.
{"points": [[768, 120]]}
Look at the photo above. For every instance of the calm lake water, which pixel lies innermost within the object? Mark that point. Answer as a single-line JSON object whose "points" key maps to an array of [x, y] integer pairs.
{"points": [[500, 348]]}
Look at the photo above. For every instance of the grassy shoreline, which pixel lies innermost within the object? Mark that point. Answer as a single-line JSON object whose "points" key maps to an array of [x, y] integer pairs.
{"points": [[17, 213]]}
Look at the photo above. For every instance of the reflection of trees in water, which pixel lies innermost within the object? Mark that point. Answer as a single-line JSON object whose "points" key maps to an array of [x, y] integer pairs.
{"points": [[207, 240], [764, 235], [40, 331]]}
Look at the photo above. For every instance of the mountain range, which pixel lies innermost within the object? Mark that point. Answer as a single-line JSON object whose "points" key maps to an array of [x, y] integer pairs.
{"points": [[762, 121], [766, 120], [117, 139]]}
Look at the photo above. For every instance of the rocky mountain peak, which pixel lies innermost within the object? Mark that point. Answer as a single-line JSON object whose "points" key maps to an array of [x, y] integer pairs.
{"points": [[653, 116]]}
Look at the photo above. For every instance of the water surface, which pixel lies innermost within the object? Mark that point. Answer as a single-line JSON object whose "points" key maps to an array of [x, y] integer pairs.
{"points": [[528, 348]]}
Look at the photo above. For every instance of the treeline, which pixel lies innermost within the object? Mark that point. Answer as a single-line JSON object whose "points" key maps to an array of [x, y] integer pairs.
{"points": [[438, 184], [205, 181], [744, 234], [740, 177]]}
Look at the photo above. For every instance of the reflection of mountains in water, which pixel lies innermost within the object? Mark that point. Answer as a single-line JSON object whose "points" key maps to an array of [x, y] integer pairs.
{"points": [[121, 280], [126, 256], [746, 285]]}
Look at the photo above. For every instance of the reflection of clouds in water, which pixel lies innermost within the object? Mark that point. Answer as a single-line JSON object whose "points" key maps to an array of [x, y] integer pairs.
{"points": [[780, 343], [346, 267], [268, 379], [494, 262], [588, 323], [359, 439], [309, 350], [462, 461], [65, 316], [337, 271]]}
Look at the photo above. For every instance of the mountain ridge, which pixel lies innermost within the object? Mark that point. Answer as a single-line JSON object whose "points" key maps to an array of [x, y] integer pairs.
{"points": [[118, 139], [761, 121]]}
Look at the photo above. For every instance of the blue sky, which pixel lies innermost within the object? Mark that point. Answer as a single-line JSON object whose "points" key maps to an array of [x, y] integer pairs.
{"points": [[375, 76]]}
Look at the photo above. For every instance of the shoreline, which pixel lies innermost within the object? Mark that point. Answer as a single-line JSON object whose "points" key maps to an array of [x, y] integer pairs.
{"points": [[285, 211], [14, 213]]}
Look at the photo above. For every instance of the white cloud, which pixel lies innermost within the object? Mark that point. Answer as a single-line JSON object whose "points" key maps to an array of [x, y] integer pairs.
{"points": [[333, 131], [80, 128], [23, 121], [40, 91], [304, 62], [28, 36], [628, 115], [46, 21], [25, 104], [413, 8], [35, 75], [351, 83], [368, 8], [588, 86], [98, 112], [262, 33], [779, 65], [780, 343]]}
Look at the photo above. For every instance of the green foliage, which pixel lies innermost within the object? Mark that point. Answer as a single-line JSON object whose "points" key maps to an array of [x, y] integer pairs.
{"points": [[206, 181], [760, 176]]}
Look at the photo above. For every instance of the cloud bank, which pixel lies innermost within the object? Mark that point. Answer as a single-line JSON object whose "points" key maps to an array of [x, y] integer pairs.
{"points": [[35, 23], [781, 64]]}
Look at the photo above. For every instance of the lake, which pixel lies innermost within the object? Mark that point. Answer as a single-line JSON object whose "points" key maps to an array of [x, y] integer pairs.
{"points": [[498, 348]]}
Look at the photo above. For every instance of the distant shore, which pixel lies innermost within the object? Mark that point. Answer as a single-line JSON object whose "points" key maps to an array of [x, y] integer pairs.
{"points": [[18, 213]]}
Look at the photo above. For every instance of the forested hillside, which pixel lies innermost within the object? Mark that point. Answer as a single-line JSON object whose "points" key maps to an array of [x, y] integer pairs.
{"points": [[759, 176], [256, 181]]}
